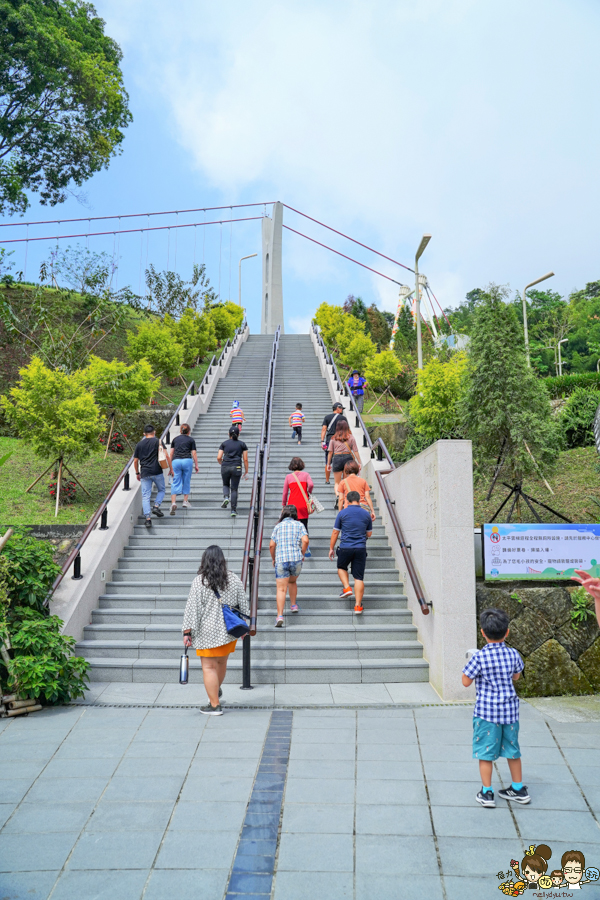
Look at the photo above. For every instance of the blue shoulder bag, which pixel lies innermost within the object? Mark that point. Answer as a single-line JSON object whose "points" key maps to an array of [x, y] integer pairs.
{"points": [[234, 623]]}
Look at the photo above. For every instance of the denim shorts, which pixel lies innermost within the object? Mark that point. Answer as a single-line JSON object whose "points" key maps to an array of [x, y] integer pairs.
{"points": [[287, 569], [491, 740]]}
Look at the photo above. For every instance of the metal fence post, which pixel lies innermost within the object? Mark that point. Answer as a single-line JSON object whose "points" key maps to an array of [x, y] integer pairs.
{"points": [[76, 576], [104, 519], [126, 482]]}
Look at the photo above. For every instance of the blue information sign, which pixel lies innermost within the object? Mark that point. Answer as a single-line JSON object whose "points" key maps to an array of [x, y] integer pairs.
{"points": [[540, 552]]}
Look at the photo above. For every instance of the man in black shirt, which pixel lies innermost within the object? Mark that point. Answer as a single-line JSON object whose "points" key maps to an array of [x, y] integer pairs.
{"points": [[149, 472], [328, 430]]}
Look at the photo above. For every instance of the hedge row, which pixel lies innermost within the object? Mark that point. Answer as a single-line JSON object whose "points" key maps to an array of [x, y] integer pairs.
{"points": [[564, 385]]}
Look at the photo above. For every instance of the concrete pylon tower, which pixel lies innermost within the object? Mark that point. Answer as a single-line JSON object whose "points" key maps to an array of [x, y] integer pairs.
{"points": [[272, 290]]}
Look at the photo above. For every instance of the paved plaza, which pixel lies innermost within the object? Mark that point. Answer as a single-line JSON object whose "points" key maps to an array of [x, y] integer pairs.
{"points": [[320, 803]]}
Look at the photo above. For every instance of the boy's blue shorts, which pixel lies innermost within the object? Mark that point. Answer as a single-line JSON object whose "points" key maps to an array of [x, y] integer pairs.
{"points": [[491, 740]]}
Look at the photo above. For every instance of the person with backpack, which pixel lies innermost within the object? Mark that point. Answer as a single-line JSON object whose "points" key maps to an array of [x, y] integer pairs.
{"points": [[356, 385], [204, 625], [353, 482], [328, 430], [149, 471], [342, 449]]}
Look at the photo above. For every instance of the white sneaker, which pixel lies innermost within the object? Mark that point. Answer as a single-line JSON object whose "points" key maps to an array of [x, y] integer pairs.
{"points": [[186, 504]]}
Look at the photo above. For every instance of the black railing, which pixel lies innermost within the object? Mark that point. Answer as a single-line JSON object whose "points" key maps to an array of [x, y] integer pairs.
{"points": [[379, 450], [256, 516]]}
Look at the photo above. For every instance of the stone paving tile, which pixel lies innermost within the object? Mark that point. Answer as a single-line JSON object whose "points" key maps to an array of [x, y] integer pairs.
{"points": [[117, 692], [115, 850], [210, 768], [318, 818], [218, 815], [139, 815], [75, 790], [565, 825], [101, 884], [374, 886], [134, 766], [360, 693], [456, 886], [315, 790], [221, 750], [34, 818], [485, 823], [322, 751], [312, 885], [321, 768], [181, 850], [151, 788], [35, 852], [21, 885], [182, 749], [303, 694], [100, 767], [315, 853], [204, 884], [217, 788], [400, 855], [477, 856], [6, 810], [21, 769], [372, 791], [412, 693], [383, 753], [388, 818], [14, 791]]}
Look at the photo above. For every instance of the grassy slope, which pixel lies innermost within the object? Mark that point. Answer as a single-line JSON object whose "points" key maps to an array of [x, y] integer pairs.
{"points": [[37, 507], [574, 481]]}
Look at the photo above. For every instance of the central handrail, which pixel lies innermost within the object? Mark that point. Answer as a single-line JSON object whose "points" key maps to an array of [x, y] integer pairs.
{"points": [[380, 448], [256, 515]]}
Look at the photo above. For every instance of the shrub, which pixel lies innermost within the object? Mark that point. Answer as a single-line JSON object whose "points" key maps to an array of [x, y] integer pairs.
{"points": [[155, 343], [224, 323], [577, 417], [117, 386], [564, 385], [116, 441], [68, 491], [31, 569], [435, 406], [382, 369], [44, 665]]}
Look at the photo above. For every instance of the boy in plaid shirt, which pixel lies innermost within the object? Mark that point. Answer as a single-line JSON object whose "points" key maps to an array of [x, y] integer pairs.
{"points": [[496, 713]]}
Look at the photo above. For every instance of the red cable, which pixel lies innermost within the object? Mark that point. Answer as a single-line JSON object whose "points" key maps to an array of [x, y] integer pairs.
{"points": [[136, 215], [62, 237], [341, 233], [341, 254], [428, 289]]}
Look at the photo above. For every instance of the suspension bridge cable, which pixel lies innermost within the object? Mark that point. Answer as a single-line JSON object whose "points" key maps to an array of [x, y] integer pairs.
{"points": [[341, 233], [170, 212], [55, 237], [344, 255]]}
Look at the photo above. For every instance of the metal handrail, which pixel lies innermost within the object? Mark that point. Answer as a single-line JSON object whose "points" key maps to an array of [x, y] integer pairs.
{"points": [[101, 513], [251, 518], [382, 450]]}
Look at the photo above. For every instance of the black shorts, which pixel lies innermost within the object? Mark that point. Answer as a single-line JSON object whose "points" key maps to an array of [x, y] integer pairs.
{"points": [[338, 462], [356, 557]]}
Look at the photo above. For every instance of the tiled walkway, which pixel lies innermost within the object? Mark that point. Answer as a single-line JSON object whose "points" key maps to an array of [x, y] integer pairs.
{"points": [[131, 803]]}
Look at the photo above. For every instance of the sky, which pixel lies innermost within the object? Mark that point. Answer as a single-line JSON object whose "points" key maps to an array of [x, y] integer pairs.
{"points": [[473, 120]]}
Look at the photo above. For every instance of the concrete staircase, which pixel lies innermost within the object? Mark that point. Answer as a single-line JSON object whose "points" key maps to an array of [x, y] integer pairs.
{"points": [[135, 633]]}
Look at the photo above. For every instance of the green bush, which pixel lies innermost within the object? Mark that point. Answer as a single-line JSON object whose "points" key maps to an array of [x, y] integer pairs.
{"points": [[44, 665], [564, 385], [577, 418], [31, 570]]}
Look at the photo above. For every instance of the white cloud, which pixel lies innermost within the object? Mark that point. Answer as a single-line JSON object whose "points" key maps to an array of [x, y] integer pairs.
{"points": [[472, 120]]}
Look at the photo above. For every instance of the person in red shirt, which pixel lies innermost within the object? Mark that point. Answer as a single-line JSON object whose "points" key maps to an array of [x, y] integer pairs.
{"points": [[297, 487]]}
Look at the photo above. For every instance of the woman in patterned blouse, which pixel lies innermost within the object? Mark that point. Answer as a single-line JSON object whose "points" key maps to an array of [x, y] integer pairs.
{"points": [[203, 623]]}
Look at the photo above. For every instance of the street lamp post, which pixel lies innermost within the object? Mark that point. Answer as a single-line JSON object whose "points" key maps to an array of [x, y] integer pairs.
{"points": [[525, 330], [240, 274], [424, 241]]}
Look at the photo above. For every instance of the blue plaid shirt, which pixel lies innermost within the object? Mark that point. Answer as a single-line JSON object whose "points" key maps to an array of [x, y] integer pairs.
{"points": [[493, 668], [288, 537]]}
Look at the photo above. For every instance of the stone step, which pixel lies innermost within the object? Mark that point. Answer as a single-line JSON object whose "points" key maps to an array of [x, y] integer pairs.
{"points": [[308, 617], [306, 601], [299, 671], [295, 630]]}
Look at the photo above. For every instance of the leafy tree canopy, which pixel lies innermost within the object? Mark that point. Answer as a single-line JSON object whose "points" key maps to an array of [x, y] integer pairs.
{"points": [[63, 106], [195, 333], [358, 352], [505, 406], [223, 323], [117, 386], [169, 294], [154, 342], [435, 406], [382, 369], [54, 411]]}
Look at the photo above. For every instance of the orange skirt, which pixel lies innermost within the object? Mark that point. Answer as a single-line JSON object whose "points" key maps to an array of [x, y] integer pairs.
{"points": [[223, 650]]}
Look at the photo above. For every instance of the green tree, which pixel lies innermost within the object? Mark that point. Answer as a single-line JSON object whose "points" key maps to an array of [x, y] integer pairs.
{"points": [[169, 294], [55, 412], [435, 408], [62, 101], [196, 334], [330, 320], [382, 369], [118, 387], [235, 311], [358, 352], [379, 328], [577, 418], [154, 342], [223, 323], [505, 406]]}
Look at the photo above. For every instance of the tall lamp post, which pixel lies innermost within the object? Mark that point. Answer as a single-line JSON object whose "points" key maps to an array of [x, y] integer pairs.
{"points": [[525, 330], [240, 274], [424, 241], [564, 341]]}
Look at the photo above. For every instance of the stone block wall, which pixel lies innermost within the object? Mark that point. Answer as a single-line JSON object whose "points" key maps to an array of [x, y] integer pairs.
{"points": [[559, 659]]}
